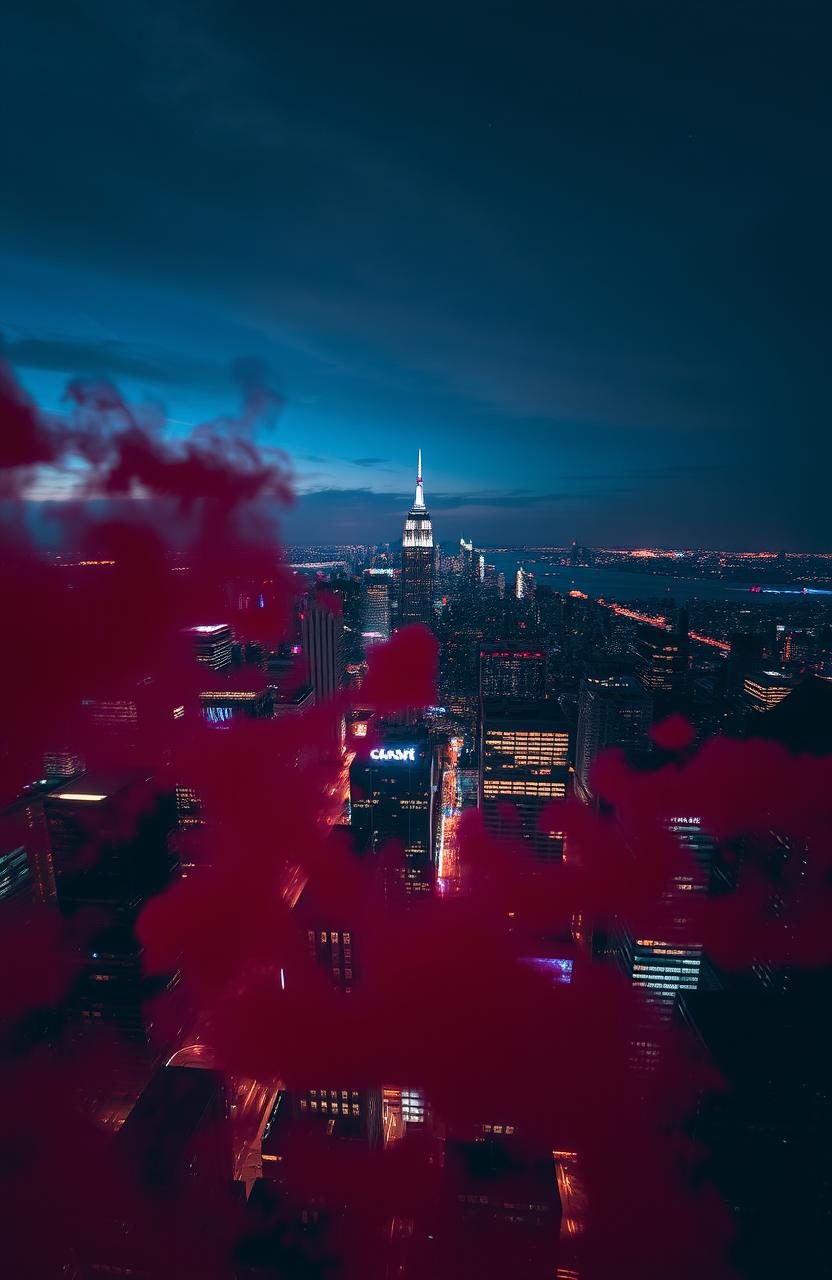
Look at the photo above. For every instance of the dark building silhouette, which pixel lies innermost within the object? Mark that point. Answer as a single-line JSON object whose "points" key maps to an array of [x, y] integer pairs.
{"points": [[548, 606], [766, 1131], [501, 1210], [338, 1114], [111, 851], [177, 1139], [172, 1216], [348, 592]]}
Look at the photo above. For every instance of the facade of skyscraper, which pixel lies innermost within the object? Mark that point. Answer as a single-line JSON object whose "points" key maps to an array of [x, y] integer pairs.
{"points": [[524, 584], [322, 641], [417, 581], [512, 671], [392, 799], [221, 706], [17, 885], [613, 711], [663, 660], [660, 967], [376, 588], [524, 765], [765, 689], [212, 645]]}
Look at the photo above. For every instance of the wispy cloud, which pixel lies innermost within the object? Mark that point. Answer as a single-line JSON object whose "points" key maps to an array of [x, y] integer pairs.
{"points": [[109, 358]]}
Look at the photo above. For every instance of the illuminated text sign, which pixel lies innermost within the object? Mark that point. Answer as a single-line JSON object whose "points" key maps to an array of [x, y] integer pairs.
{"points": [[394, 753]]}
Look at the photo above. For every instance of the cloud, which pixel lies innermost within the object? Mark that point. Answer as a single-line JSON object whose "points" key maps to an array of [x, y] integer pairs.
{"points": [[109, 358], [367, 462]]}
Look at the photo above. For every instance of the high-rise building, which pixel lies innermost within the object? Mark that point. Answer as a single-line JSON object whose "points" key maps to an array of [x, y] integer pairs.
{"points": [[502, 1208], [212, 645], [745, 655], [417, 561], [375, 606], [220, 706], [322, 633], [111, 851], [348, 592], [663, 660], [17, 885], [613, 711], [524, 764], [392, 799], [468, 563], [322, 641], [293, 702], [175, 1149], [62, 764], [661, 966], [343, 1117], [178, 1135], [24, 823], [549, 613], [512, 671], [765, 689], [772, 1111], [524, 584]]}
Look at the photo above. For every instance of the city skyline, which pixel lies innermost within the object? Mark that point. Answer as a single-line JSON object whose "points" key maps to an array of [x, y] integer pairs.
{"points": [[416, 792]]}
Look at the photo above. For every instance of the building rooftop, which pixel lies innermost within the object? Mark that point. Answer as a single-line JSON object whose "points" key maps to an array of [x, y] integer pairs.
{"points": [[545, 712], [802, 721]]}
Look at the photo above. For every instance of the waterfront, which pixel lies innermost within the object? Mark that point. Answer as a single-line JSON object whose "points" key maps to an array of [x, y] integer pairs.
{"points": [[617, 584]]}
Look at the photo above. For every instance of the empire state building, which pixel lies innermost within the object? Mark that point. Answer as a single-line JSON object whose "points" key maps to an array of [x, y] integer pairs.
{"points": [[417, 561]]}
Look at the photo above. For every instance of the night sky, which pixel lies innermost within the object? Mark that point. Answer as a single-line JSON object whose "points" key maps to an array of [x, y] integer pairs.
{"points": [[579, 253]]}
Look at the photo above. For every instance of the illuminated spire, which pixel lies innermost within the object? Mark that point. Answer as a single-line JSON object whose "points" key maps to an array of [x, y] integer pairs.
{"points": [[419, 504]]}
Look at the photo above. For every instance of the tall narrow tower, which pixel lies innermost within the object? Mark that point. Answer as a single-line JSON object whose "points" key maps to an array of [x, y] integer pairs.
{"points": [[417, 560]]}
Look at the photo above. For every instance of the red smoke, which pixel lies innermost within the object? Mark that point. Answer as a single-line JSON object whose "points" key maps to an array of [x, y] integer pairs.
{"points": [[445, 1000]]}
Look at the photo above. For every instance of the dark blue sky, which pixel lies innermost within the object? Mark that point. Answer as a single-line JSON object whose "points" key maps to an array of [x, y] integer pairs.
{"points": [[577, 252]]}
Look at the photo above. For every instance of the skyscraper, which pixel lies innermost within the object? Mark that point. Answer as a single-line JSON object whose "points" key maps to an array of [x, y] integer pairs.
{"points": [[523, 584], [322, 639], [17, 884], [524, 762], [613, 711], [111, 853], [212, 645], [392, 798], [176, 1147], [660, 967], [765, 689], [512, 671], [417, 561], [664, 659], [375, 606]]}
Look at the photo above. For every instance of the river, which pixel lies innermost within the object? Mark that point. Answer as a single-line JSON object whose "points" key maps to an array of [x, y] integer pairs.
{"points": [[617, 584]]}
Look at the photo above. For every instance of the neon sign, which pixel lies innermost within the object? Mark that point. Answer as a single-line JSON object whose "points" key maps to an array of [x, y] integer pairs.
{"points": [[394, 753]]}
